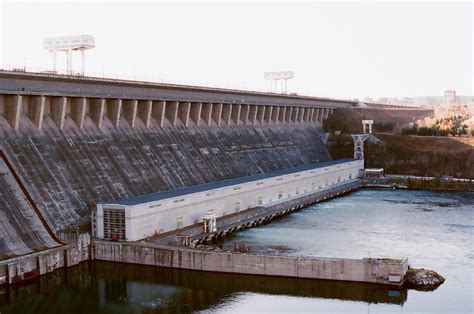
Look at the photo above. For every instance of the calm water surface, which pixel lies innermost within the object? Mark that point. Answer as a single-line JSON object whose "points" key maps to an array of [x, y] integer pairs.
{"points": [[434, 230]]}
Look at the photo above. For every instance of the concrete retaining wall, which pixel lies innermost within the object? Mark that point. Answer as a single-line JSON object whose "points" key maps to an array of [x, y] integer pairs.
{"points": [[358, 270], [17, 269]]}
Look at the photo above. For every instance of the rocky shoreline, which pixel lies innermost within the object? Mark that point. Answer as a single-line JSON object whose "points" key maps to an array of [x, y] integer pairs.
{"points": [[423, 279]]}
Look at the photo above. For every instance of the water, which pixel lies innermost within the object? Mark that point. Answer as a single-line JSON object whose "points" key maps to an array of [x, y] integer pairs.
{"points": [[434, 230]]}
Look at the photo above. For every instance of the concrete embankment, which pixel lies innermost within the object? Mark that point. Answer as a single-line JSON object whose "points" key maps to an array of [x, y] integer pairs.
{"points": [[420, 183], [377, 271], [29, 266]]}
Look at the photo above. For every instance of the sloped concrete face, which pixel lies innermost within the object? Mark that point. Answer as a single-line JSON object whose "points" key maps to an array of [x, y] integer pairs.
{"points": [[21, 230], [68, 171]]}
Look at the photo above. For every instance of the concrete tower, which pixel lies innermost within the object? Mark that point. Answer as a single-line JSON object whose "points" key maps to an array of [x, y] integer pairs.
{"points": [[68, 45]]}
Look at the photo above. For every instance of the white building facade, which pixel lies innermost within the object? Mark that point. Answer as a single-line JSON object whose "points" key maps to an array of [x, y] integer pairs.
{"points": [[140, 217]]}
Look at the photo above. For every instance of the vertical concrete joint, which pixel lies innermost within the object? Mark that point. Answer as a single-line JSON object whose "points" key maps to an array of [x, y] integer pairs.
{"points": [[144, 108], [268, 114], [206, 113], [226, 113], [78, 110], [217, 113], [252, 119], [235, 115], [158, 112], [195, 112], [114, 110], [13, 107], [129, 108], [38, 112], [260, 114], [96, 110], [183, 112], [171, 112], [282, 114], [275, 114], [244, 114], [58, 110]]}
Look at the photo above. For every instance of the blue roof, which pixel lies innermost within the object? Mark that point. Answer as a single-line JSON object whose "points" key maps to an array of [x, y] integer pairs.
{"points": [[135, 200]]}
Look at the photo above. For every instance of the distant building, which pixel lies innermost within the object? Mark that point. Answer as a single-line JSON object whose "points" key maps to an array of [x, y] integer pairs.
{"points": [[450, 97], [373, 173]]}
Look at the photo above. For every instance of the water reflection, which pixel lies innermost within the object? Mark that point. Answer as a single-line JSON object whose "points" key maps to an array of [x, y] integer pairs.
{"points": [[109, 287]]}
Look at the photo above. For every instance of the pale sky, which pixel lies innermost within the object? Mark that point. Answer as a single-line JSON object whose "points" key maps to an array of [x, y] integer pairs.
{"points": [[340, 50]]}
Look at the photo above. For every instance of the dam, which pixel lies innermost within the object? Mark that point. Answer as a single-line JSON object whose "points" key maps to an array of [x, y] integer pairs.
{"points": [[74, 147]]}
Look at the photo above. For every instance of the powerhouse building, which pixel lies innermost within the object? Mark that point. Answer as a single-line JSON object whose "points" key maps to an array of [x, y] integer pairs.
{"points": [[139, 217]]}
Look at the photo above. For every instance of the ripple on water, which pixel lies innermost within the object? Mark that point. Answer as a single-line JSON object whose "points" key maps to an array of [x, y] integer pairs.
{"points": [[432, 229]]}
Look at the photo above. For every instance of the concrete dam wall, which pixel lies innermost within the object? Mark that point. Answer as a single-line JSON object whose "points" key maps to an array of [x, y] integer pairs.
{"points": [[67, 173], [72, 142]]}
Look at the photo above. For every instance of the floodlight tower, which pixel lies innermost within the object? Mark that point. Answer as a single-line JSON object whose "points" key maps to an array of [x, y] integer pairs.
{"points": [[282, 77], [359, 139], [68, 45]]}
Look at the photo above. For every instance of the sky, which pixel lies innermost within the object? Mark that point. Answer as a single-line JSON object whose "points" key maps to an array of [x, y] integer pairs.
{"points": [[335, 49]]}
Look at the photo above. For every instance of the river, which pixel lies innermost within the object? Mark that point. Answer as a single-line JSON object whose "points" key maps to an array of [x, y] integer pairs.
{"points": [[433, 229]]}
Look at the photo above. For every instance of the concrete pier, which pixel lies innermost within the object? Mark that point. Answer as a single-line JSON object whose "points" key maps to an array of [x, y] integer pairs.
{"points": [[58, 110], [171, 112], [289, 112], [36, 110], [144, 109], [129, 108], [235, 115], [226, 113], [217, 113], [158, 112], [183, 112], [377, 271], [195, 113], [96, 110], [78, 111], [114, 109], [252, 117], [12, 106], [207, 113], [244, 114]]}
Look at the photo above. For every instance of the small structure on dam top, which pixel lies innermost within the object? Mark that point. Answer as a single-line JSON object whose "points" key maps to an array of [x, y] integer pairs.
{"points": [[68, 45]]}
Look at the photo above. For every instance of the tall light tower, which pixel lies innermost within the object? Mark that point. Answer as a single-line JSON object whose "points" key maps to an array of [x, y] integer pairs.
{"points": [[282, 77], [68, 45], [359, 139]]}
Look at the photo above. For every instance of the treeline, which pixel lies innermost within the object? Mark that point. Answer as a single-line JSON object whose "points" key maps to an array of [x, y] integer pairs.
{"points": [[383, 127], [456, 130]]}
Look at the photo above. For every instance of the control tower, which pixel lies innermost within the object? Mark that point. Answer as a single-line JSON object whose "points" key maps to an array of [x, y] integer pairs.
{"points": [[69, 44]]}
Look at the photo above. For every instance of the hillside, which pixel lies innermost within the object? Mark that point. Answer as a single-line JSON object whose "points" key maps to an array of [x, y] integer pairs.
{"points": [[349, 120], [414, 155]]}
